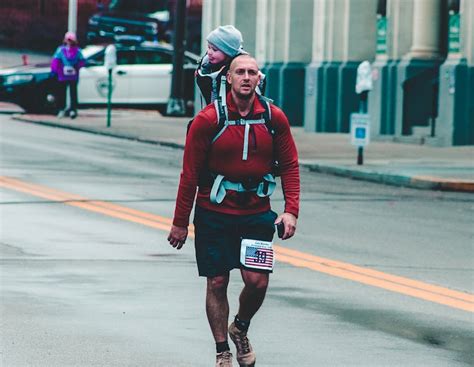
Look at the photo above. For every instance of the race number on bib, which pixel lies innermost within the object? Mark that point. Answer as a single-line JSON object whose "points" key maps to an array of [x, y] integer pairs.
{"points": [[257, 254], [69, 70]]}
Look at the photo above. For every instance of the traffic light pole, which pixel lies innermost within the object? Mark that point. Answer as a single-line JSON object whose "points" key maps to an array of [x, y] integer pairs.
{"points": [[176, 105]]}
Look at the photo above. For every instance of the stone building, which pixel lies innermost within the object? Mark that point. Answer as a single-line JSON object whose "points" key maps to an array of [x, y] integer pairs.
{"points": [[421, 53]]}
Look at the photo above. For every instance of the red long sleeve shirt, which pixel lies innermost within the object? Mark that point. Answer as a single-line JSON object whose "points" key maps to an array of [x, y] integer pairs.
{"points": [[224, 157]]}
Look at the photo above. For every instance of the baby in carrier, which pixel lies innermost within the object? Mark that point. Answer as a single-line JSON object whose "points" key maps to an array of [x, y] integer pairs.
{"points": [[223, 44]]}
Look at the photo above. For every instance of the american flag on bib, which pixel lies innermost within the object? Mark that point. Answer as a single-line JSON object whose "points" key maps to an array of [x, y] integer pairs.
{"points": [[259, 257]]}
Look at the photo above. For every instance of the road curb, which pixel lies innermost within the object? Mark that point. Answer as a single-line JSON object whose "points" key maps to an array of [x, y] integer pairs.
{"points": [[417, 182], [99, 131]]}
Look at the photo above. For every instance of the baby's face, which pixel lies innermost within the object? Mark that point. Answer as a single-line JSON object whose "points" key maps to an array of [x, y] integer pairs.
{"points": [[215, 55]]}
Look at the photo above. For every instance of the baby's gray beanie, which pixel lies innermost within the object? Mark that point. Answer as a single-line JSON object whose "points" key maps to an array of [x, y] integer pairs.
{"points": [[228, 39]]}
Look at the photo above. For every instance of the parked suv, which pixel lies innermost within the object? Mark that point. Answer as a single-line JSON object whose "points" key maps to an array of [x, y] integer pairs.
{"points": [[150, 19]]}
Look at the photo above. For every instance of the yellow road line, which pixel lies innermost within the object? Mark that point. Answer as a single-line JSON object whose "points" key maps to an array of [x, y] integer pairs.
{"points": [[414, 288], [375, 274], [365, 279], [80, 202]]}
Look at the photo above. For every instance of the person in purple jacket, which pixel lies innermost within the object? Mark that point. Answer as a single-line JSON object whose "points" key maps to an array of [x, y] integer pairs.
{"points": [[67, 61]]}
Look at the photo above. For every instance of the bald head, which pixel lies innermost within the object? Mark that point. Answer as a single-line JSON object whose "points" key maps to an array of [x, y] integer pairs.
{"points": [[243, 77], [242, 58]]}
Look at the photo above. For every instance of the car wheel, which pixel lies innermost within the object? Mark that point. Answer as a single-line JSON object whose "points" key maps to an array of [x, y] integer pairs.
{"points": [[44, 103], [162, 109]]}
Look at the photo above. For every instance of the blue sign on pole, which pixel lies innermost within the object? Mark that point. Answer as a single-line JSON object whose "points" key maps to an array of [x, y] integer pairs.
{"points": [[360, 133]]}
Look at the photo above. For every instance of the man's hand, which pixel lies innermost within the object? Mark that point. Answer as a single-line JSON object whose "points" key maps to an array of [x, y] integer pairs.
{"points": [[289, 222], [177, 236]]}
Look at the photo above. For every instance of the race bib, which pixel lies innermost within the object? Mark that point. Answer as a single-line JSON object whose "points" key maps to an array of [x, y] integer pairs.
{"points": [[69, 70], [257, 254]]}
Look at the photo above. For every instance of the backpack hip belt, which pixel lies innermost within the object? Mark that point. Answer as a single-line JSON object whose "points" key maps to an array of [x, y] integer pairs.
{"points": [[264, 188]]}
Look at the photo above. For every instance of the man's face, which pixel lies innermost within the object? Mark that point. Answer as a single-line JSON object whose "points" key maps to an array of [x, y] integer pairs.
{"points": [[243, 76]]}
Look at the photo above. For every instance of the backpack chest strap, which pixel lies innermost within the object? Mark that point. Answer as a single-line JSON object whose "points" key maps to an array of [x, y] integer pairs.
{"points": [[264, 188], [240, 122]]}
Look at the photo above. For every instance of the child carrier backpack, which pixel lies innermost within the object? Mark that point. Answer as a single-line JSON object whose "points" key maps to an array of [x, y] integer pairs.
{"points": [[210, 83], [219, 184]]}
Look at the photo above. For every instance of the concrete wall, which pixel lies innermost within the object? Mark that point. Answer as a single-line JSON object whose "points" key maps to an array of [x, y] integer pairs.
{"points": [[297, 56], [344, 36], [310, 50], [455, 122]]}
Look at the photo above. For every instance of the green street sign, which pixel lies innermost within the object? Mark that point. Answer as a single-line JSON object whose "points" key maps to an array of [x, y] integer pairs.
{"points": [[454, 32], [381, 36]]}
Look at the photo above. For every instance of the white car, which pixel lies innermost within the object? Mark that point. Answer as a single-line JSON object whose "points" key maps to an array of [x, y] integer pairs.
{"points": [[142, 77]]}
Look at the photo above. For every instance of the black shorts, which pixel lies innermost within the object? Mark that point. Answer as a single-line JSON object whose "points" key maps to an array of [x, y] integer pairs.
{"points": [[218, 237]]}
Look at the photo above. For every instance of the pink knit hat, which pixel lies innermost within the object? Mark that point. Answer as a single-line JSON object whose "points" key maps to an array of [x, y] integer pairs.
{"points": [[70, 36]]}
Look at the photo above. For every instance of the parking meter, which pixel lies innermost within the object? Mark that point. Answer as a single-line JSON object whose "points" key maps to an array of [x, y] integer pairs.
{"points": [[110, 61], [110, 57], [360, 122], [364, 78]]}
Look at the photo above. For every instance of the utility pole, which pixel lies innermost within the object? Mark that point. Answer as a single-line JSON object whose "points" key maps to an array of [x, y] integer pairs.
{"points": [[176, 105], [72, 16], [71, 27]]}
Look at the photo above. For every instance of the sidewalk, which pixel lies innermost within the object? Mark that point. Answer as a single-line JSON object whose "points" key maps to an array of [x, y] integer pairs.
{"points": [[400, 164]]}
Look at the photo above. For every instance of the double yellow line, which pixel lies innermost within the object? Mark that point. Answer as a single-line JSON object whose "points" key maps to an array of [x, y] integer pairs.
{"points": [[459, 300], [102, 207], [410, 287]]}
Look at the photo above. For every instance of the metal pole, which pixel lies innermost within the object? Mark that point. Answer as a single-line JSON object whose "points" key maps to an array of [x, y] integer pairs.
{"points": [[72, 16], [175, 105], [109, 98], [360, 156], [362, 109], [71, 27]]}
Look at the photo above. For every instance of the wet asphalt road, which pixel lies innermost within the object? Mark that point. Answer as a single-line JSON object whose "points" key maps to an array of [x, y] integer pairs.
{"points": [[82, 288]]}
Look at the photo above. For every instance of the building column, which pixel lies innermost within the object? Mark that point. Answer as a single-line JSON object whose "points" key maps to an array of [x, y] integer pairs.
{"points": [[297, 57], [314, 78], [262, 36], [322, 74], [344, 36], [359, 44], [246, 22], [426, 30], [455, 122], [207, 22], [277, 47], [228, 12], [416, 94], [394, 40]]}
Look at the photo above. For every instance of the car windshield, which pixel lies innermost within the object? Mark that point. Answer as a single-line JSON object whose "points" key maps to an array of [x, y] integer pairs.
{"points": [[139, 6]]}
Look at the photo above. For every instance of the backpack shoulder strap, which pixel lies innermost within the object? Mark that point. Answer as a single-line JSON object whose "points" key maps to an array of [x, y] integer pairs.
{"points": [[221, 112], [221, 117], [267, 114]]}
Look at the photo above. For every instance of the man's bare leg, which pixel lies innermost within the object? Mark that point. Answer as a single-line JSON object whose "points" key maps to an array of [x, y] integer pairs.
{"points": [[251, 298], [217, 306], [253, 293]]}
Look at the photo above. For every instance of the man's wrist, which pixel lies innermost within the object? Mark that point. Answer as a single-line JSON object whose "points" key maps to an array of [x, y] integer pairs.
{"points": [[293, 213], [180, 223]]}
